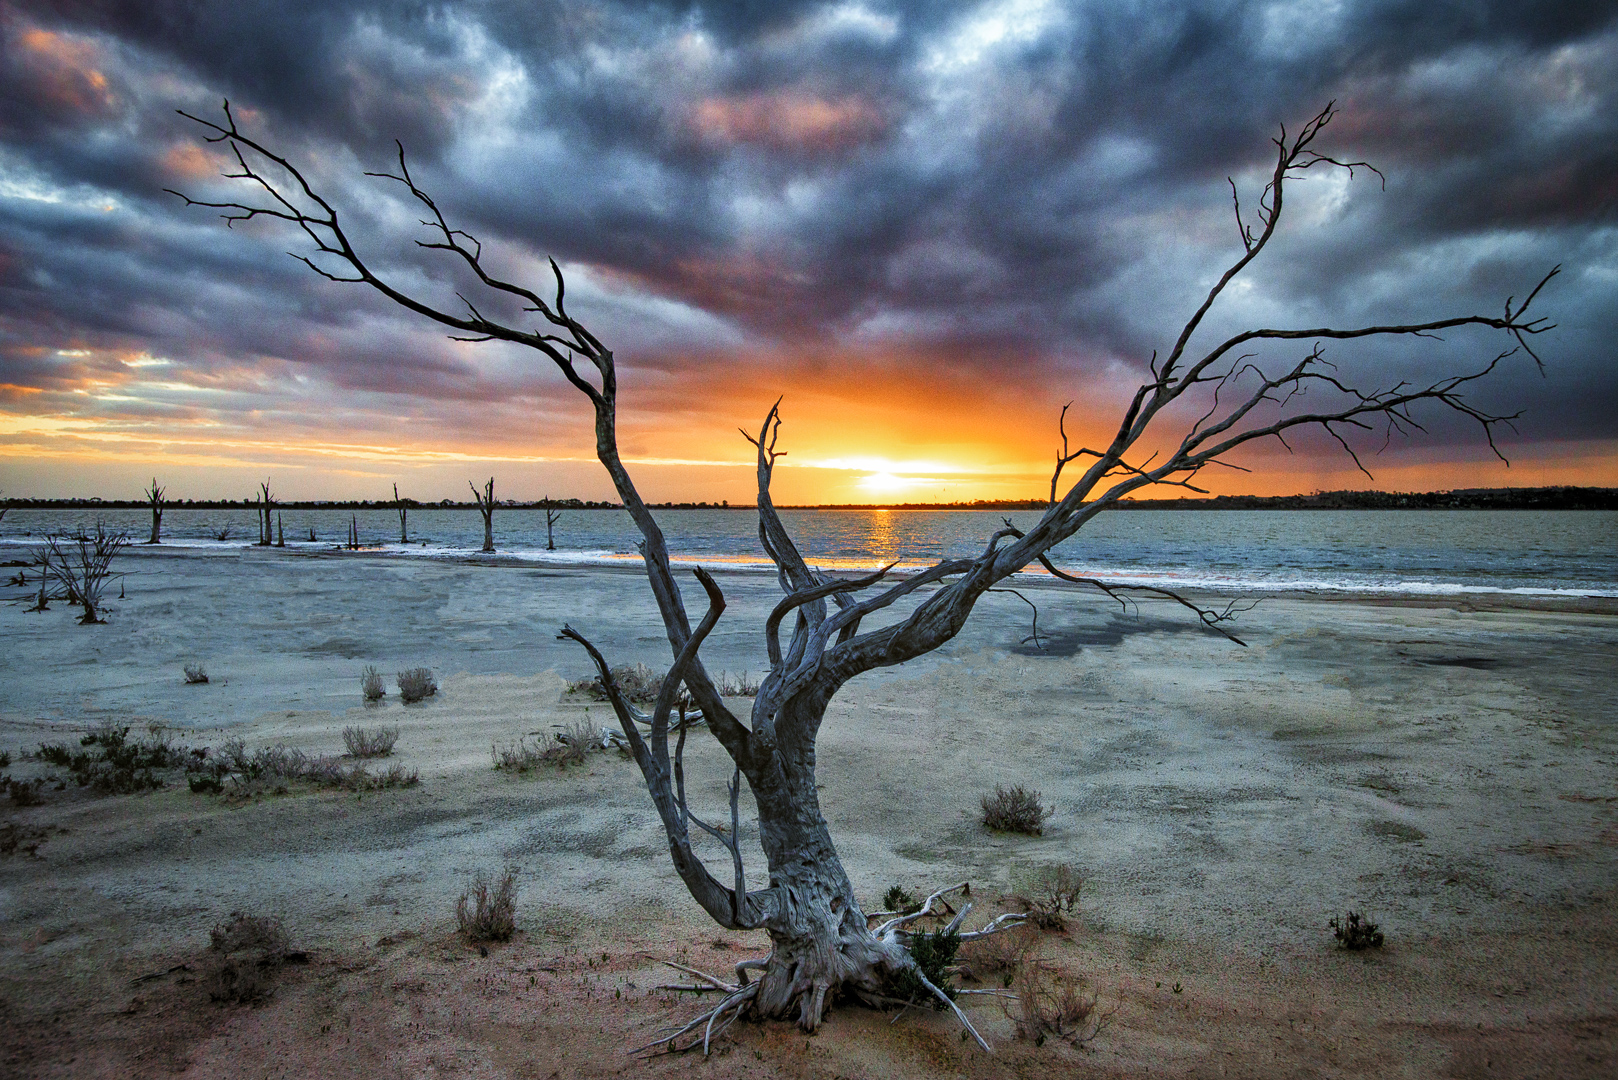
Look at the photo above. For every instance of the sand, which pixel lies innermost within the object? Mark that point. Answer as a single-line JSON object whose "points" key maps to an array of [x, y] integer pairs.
{"points": [[1449, 767]]}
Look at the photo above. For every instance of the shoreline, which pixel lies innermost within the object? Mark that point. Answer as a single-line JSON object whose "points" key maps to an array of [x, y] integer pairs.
{"points": [[1451, 769]]}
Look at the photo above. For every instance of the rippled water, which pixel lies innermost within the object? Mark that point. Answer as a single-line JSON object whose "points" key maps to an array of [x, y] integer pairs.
{"points": [[1399, 551]]}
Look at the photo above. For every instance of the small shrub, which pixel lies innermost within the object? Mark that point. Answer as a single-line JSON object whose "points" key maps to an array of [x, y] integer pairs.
{"points": [[636, 682], [1356, 932], [22, 792], [933, 954], [896, 899], [1054, 1005], [195, 673], [1050, 895], [1000, 956], [275, 768], [416, 684], [570, 746], [743, 685], [115, 765], [517, 757], [5, 759], [372, 743], [488, 912], [244, 955], [371, 683], [1015, 810]]}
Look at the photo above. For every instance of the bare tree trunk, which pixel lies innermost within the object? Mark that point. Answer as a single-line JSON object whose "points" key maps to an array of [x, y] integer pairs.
{"points": [[266, 503], [404, 532], [551, 518], [280, 531], [154, 496], [485, 501]]}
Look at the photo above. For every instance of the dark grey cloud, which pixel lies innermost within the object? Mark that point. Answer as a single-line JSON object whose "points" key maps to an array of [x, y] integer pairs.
{"points": [[1041, 183]]}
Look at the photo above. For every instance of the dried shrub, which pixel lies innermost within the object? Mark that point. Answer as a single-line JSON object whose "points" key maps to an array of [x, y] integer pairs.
{"points": [[5, 759], [1050, 894], [195, 673], [488, 912], [275, 768], [371, 683], [244, 955], [742, 685], [23, 792], [636, 682], [570, 746], [998, 957], [1053, 1005], [369, 743], [1015, 810], [1355, 932], [416, 684]]}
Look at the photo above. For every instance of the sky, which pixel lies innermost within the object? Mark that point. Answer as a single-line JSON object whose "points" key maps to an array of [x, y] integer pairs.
{"points": [[925, 226]]}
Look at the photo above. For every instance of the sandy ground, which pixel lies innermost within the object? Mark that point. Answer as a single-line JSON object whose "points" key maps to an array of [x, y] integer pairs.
{"points": [[1449, 768]]}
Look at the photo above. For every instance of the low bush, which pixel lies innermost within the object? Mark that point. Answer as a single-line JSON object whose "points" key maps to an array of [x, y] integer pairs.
{"points": [[743, 685], [371, 683], [195, 673], [275, 768], [570, 746], [112, 764], [1050, 894], [488, 910], [999, 957], [1355, 932], [933, 954], [636, 682], [369, 743], [22, 792], [244, 956], [416, 684], [5, 759], [1049, 1004], [1015, 810], [897, 900]]}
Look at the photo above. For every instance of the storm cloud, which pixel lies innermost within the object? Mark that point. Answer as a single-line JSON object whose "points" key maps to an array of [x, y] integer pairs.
{"points": [[836, 200]]}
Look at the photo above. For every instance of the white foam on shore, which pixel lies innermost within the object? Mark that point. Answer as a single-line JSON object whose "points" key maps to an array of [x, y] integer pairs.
{"points": [[1368, 584]]}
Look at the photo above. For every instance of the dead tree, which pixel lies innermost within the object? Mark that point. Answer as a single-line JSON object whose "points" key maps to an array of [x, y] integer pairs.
{"points": [[485, 500], [154, 497], [404, 531], [266, 505], [81, 565], [551, 518], [823, 943]]}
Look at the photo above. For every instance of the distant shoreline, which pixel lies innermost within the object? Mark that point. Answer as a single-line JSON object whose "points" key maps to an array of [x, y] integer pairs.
{"points": [[1539, 498]]}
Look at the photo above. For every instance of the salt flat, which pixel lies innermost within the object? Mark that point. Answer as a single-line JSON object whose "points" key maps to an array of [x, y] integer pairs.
{"points": [[1449, 767]]}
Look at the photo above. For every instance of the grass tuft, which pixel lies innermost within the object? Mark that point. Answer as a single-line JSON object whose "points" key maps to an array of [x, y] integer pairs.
{"points": [[371, 683], [195, 673], [369, 743], [1355, 932], [488, 910]]}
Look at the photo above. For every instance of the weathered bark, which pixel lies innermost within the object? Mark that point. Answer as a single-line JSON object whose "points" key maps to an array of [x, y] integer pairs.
{"points": [[820, 937], [485, 501], [154, 497]]}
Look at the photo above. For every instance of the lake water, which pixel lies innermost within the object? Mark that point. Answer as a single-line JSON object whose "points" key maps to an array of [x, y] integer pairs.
{"points": [[1395, 551]]}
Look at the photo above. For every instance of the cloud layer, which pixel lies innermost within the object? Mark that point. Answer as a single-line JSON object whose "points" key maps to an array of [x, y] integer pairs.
{"points": [[929, 225]]}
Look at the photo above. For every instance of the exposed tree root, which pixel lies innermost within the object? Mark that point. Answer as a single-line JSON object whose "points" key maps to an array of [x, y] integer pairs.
{"points": [[741, 997]]}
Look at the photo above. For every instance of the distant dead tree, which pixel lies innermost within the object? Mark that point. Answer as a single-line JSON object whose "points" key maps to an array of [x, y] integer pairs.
{"points": [[154, 498], [81, 565], [551, 518], [353, 532], [280, 531], [1199, 405], [266, 504], [404, 532], [485, 500]]}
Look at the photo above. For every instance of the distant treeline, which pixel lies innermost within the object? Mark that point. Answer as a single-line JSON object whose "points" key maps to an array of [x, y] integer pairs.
{"points": [[299, 504], [1542, 498]]}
